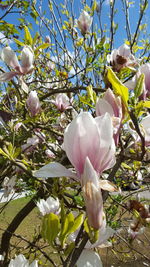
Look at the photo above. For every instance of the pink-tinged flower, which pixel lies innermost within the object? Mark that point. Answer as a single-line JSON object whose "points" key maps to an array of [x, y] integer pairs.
{"points": [[21, 261], [121, 57], [31, 144], [131, 84], [90, 147], [84, 22], [10, 58], [33, 103], [90, 137], [62, 102], [49, 205], [111, 104], [92, 195]]}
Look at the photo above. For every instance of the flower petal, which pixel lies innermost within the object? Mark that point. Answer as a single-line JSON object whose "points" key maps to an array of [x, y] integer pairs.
{"points": [[81, 140], [9, 57], [7, 76], [27, 58], [102, 106], [107, 185], [54, 169], [89, 258]]}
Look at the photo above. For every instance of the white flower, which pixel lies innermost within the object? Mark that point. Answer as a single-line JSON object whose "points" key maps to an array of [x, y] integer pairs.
{"points": [[89, 258], [84, 22], [49, 205], [21, 261]]}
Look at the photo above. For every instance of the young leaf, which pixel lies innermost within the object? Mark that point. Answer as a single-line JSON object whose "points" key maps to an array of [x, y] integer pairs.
{"points": [[118, 87], [139, 86], [28, 37]]}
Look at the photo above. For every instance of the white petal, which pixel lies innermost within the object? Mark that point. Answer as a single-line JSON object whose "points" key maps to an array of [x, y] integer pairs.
{"points": [[27, 58], [7, 76], [54, 169], [34, 264], [89, 258], [9, 57]]}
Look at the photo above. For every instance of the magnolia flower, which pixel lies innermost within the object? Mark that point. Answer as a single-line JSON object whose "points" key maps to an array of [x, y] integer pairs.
{"points": [[145, 130], [111, 104], [93, 138], [8, 185], [33, 103], [89, 258], [121, 57], [10, 58], [62, 102], [21, 261], [84, 22], [31, 144], [90, 147], [131, 84], [92, 195], [49, 205]]}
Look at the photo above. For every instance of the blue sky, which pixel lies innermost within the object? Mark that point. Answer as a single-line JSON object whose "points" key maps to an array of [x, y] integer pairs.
{"points": [[119, 17]]}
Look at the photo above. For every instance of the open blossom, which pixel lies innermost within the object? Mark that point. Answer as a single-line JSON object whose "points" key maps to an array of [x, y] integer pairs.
{"points": [[121, 57], [111, 104], [49, 205], [131, 84], [62, 102], [84, 22], [90, 137], [21, 261], [33, 103], [10, 58], [90, 147]]}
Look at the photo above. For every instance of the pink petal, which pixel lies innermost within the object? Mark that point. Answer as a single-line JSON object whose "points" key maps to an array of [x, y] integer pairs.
{"points": [[81, 140], [107, 146], [92, 195], [102, 106]]}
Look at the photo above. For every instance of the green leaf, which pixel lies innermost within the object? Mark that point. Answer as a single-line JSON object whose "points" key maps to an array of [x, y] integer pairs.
{"points": [[118, 87], [67, 225], [18, 42], [77, 223], [91, 93], [42, 46], [50, 227], [139, 86], [28, 37], [3, 153]]}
